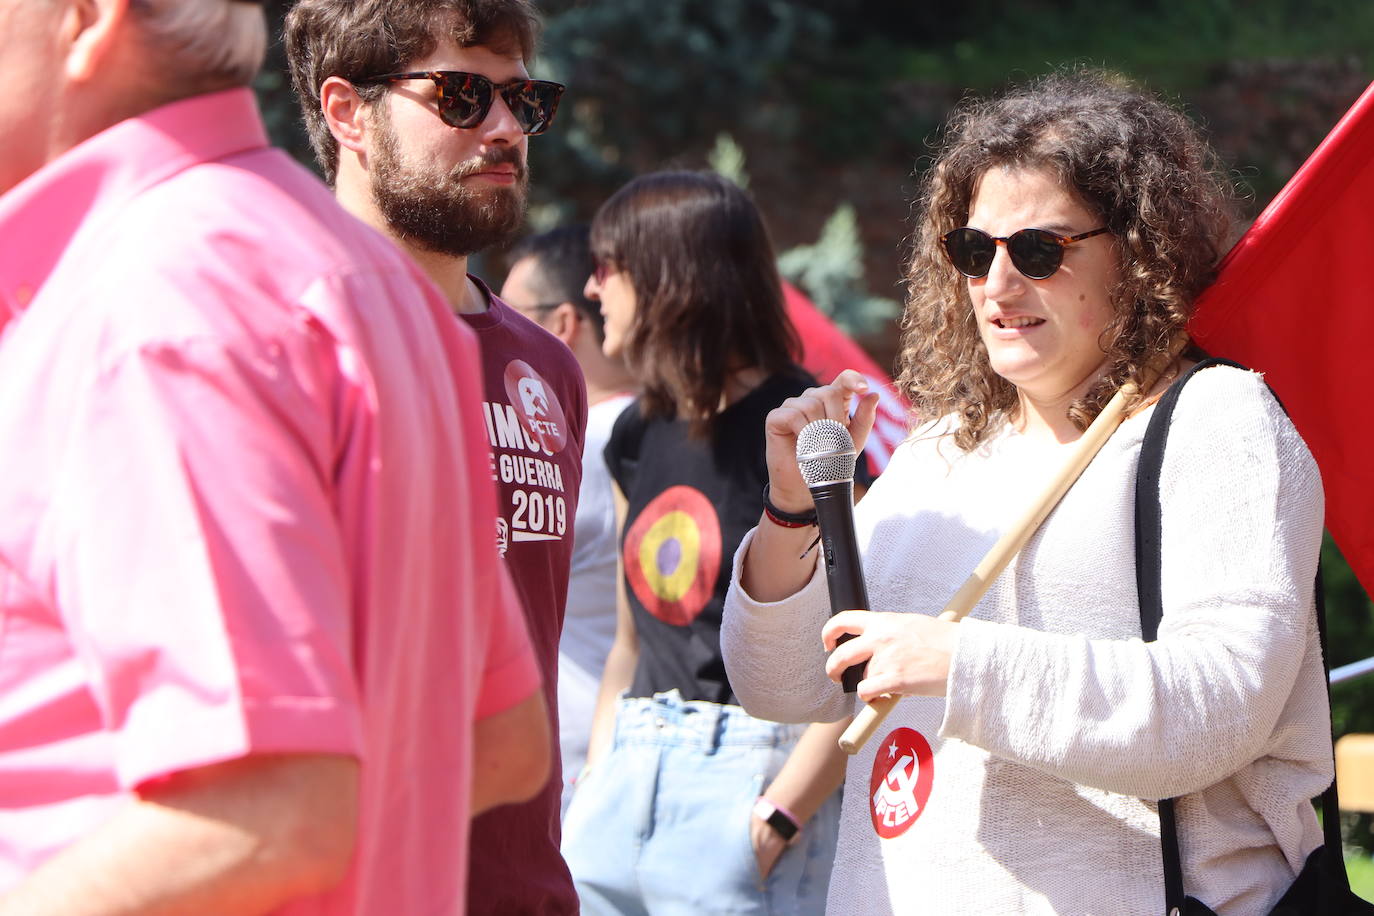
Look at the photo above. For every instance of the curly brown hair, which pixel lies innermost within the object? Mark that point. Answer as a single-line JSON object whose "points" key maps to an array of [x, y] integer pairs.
{"points": [[1129, 158]]}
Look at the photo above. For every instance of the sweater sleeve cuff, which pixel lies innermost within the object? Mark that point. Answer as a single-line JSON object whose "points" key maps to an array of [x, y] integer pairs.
{"points": [[811, 595], [971, 685], [791, 686]]}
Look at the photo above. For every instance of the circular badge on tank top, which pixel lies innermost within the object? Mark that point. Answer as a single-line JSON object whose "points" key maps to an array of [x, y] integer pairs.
{"points": [[536, 406], [899, 787], [672, 555]]}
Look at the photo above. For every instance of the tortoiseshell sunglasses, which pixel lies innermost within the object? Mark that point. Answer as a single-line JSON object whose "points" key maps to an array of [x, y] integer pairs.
{"points": [[1037, 253], [465, 98]]}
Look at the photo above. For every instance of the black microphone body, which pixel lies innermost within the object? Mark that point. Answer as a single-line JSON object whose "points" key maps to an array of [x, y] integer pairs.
{"points": [[826, 457], [844, 572]]}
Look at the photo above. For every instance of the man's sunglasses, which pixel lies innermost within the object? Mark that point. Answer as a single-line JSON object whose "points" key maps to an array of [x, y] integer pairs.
{"points": [[1037, 253], [465, 98]]}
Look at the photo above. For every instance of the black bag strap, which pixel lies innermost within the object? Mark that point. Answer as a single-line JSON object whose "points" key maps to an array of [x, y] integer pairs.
{"points": [[1148, 579]]}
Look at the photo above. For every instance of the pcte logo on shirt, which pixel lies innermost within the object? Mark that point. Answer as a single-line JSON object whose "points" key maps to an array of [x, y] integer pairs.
{"points": [[899, 787], [529, 438], [539, 411]]}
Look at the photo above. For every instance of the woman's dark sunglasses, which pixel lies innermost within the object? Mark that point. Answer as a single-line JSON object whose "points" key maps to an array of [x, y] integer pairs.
{"points": [[1037, 253], [465, 98]]}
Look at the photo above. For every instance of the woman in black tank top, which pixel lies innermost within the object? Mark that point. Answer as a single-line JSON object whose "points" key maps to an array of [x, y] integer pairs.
{"points": [[687, 800]]}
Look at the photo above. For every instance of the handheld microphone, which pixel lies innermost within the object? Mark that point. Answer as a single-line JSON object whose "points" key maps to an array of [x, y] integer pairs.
{"points": [[826, 457]]}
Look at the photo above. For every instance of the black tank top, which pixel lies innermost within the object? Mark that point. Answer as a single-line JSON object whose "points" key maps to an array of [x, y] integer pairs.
{"points": [[690, 502]]}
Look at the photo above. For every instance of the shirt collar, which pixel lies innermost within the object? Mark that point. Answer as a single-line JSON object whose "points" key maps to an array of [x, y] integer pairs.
{"points": [[40, 216]]}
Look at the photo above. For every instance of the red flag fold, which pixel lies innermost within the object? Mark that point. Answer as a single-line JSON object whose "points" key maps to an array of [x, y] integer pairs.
{"points": [[1292, 300]]}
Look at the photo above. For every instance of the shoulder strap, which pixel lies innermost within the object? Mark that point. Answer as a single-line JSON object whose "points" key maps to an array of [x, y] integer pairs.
{"points": [[1148, 580], [1148, 523], [1149, 576]]}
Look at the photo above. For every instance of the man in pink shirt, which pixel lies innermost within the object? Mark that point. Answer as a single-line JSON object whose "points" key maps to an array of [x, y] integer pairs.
{"points": [[256, 654], [419, 112]]}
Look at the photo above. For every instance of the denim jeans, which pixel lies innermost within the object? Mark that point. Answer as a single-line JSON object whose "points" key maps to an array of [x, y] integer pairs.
{"points": [[660, 825]]}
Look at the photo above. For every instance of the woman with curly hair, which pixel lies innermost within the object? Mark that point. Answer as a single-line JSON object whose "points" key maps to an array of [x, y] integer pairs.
{"points": [[1065, 231]]}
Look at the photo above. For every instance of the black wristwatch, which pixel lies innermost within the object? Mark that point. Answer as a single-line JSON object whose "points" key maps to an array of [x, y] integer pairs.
{"points": [[780, 821]]}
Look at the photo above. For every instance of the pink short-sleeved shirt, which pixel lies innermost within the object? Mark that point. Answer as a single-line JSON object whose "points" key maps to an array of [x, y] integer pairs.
{"points": [[246, 504]]}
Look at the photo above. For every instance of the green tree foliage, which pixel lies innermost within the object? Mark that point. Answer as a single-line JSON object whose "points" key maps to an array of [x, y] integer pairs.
{"points": [[831, 272], [727, 159], [653, 84], [1350, 638], [273, 85]]}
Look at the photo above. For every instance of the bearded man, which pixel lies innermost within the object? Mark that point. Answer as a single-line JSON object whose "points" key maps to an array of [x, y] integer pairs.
{"points": [[419, 112]]}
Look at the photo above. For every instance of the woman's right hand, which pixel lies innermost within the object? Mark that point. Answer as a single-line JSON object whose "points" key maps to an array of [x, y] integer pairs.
{"points": [[787, 489]]}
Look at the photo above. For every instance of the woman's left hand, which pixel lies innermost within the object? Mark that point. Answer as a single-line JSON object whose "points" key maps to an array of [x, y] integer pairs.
{"points": [[768, 845], [907, 654]]}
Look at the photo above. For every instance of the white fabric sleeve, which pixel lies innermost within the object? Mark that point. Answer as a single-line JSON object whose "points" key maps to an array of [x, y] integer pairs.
{"points": [[773, 652], [1242, 520]]}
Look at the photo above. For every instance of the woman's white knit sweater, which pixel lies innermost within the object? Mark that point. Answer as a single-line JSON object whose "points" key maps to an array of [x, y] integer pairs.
{"points": [[1059, 719]]}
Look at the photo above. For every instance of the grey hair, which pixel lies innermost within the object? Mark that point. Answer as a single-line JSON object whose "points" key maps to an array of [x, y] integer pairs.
{"points": [[207, 44]]}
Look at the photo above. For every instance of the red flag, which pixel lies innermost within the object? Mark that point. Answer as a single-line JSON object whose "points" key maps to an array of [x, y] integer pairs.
{"points": [[827, 351], [1293, 298]]}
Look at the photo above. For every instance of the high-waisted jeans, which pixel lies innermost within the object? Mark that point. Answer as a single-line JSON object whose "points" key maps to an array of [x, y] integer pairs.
{"points": [[660, 826]]}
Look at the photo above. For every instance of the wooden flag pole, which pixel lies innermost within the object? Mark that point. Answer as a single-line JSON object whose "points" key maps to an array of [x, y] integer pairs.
{"points": [[996, 560]]}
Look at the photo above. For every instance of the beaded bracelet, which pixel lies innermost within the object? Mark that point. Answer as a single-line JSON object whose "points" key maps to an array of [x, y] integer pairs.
{"points": [[786, 519]]}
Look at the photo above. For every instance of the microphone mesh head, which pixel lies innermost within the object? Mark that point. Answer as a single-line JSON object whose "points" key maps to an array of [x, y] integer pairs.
{"points": [[825, 453]]}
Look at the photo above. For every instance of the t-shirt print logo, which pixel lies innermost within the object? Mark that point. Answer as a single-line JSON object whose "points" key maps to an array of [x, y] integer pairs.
{"points": [[672, 554], [533, 398], [539, 412], [899, 787]]}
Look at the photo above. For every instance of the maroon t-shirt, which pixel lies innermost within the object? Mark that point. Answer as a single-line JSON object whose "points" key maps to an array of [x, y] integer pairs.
{"points": [[535, 406]]}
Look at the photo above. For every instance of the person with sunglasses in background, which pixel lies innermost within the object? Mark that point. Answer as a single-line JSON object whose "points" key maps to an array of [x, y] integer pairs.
{"points": [[1064, 233], [420, 112], [688, 804], [547, 281]]}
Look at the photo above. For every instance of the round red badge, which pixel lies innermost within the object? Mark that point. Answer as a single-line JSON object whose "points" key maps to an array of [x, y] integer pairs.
{"points": [[899, 787], [536, 405], [672, 554]]}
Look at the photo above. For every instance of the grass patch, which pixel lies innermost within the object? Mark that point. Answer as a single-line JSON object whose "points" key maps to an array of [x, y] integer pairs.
{"points": [[1360, 868]]}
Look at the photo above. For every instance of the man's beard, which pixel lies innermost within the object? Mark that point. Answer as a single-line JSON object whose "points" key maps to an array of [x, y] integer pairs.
{"points": [[435, 210]]}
